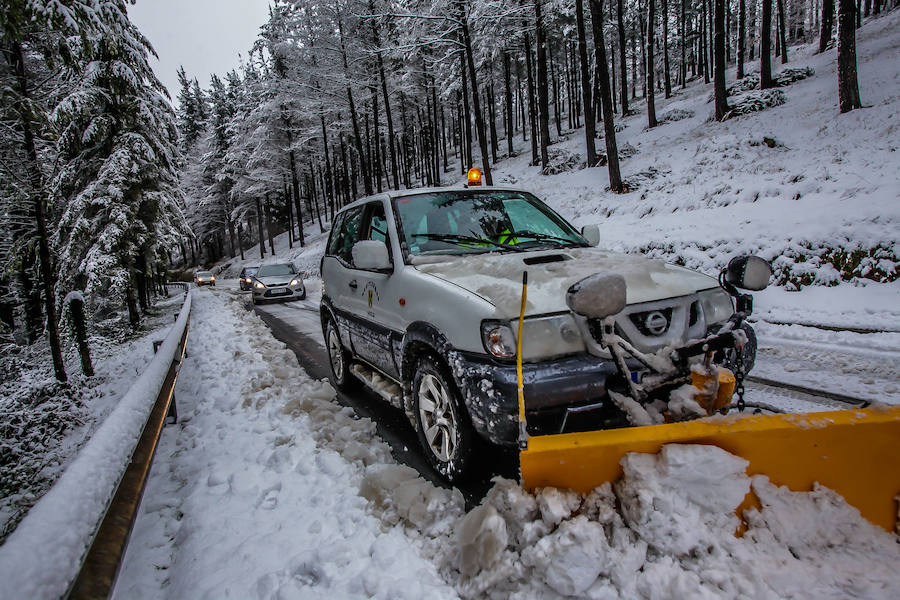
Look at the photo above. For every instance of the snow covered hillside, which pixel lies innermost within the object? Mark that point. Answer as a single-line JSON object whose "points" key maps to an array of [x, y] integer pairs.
{"points": [[822, 203]]}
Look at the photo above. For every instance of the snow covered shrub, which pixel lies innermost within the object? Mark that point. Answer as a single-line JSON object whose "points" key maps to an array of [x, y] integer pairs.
{"points": [[751, 82], [792, 75], [641, 178], [755, 101], [561, 161], [626, 150], [36, 419], [796, 263], [809, 264], [676, 114]]}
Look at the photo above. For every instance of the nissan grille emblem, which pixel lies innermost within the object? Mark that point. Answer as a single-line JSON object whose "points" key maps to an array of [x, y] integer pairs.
{"points": [[656, 323]]}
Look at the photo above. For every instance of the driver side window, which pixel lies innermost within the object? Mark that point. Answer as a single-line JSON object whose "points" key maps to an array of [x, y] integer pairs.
{"points": [[347, 235]]}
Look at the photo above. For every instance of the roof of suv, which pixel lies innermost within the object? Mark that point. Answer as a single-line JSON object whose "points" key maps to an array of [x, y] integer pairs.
{"points": [[392, 194]]}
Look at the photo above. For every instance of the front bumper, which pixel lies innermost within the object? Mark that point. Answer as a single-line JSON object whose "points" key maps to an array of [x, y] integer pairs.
{"points": [[567, 393], [280, 292], [490, 390]]}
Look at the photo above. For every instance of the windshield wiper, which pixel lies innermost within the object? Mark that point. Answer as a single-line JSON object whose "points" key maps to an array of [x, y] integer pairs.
{"points": [[461, 240], [543, 237]]}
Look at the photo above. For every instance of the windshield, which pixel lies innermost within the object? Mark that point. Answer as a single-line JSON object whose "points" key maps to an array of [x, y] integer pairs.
{"points": [[248, 271], [275, 270], [477, 221], [204, 274]]}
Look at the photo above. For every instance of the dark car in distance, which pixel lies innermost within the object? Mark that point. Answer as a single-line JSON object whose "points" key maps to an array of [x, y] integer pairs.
{"points": [[246, 277]]}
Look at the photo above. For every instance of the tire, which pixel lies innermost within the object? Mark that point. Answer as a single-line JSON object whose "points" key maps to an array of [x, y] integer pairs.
{"points": [[255, 301], [442, 424], [338, 359], [302, 296]]}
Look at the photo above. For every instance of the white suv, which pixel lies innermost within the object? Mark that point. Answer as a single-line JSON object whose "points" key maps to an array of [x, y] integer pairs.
{"points": [[421, 300]]}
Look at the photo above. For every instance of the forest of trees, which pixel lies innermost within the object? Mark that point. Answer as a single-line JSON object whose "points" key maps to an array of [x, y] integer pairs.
{"points": [[104, 186], [345, 98]]}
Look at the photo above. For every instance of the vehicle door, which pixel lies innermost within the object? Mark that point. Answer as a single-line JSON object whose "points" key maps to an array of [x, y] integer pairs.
{"points": [[373, 297], [336, 268]]}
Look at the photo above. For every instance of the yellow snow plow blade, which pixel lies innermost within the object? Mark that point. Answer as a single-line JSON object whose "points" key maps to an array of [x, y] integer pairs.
{"points": [[854, 452]]}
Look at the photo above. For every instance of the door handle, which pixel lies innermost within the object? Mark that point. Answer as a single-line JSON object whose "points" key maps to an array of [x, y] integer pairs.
{"points": [[353, 284]]}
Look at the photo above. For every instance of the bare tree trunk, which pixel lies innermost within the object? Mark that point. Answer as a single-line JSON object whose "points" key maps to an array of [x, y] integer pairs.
{"points": [[543, 101], [479, 122], [683, 26], [259, 221], [295, 185], [651, 66], [665, 21], [36, 179], [395, 173], [357, 138], [466, 116], [375, 142], [79, 329], [134, 316], [589, 121], [827, 21], [509, 104], [612, 152], [532, 113], [268, 208], [848, 85], [742, 35], [765, 47], [782, 35], [719, 47]]}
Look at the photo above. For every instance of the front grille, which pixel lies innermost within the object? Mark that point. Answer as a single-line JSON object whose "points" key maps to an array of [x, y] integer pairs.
{"points": [[676, 319]]}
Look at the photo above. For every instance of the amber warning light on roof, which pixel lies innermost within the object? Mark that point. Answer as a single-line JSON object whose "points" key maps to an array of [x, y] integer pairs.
{"points": [[474, 176]]}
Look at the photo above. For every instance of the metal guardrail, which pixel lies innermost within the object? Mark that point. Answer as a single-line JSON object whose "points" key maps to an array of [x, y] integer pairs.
{"points": [[101, 564]]}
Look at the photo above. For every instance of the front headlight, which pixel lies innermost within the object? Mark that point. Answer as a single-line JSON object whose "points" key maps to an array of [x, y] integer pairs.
{"points": [[259, 285], [717, 306], [498, 338], [213, 278], [295, 282]]}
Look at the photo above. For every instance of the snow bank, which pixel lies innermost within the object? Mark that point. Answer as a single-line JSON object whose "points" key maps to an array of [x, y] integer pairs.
{"points": [[269, 486], [43, 555], [667, 530]]}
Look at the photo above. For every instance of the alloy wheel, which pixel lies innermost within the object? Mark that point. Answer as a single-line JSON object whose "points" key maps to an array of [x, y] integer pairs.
{"points": [[437, 417]]}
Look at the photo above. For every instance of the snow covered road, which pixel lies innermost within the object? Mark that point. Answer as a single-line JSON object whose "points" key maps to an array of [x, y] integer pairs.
{"points": [[255, 493], [269, 489]]}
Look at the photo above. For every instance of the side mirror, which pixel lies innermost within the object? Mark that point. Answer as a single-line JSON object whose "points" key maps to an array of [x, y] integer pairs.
{"points": [[748, 273], [598, 296], [371, 255], [592, 234]]}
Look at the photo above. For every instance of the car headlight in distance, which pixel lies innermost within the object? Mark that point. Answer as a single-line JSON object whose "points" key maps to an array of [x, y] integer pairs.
{"points": [[295, 282], [259, 285], [716, 305], [498, 339]]}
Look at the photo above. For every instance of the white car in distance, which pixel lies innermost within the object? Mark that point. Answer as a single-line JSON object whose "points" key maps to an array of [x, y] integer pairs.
{"points": [[277, 282]]}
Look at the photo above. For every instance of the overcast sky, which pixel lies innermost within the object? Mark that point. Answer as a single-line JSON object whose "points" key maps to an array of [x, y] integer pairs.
{"points": [[205, 36]]}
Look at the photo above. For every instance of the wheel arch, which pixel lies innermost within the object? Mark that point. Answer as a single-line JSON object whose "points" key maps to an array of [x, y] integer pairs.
{"points": [[424, 339]]}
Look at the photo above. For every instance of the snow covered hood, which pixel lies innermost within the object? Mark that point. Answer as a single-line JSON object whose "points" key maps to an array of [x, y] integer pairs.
{"points": [[498, 277]]}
